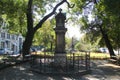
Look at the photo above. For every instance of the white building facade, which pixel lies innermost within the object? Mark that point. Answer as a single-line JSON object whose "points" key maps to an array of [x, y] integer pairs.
{"points": [[10, 41]]}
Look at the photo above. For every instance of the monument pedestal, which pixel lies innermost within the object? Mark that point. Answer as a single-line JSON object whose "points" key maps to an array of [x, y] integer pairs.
{"points": [[60, 30], [60, 59], [59, 63]]}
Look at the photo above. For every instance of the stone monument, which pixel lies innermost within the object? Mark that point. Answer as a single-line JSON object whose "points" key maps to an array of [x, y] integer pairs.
{"points": [[60, 30]]}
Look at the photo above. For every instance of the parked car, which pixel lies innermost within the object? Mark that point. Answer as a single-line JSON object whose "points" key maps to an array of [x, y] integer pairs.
{"points": [[6, 51], [103, 50]]}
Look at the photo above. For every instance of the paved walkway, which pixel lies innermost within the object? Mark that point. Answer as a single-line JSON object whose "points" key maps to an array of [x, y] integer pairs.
{"points": [[101, 70]]}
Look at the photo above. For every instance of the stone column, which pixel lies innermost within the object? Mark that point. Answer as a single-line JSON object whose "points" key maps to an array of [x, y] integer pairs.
{"points": [[60, 30]]}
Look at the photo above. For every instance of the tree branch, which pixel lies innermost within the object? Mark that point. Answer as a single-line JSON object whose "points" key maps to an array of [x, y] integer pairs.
{"points": [[29, 15], [49, 15], [70, 5]]}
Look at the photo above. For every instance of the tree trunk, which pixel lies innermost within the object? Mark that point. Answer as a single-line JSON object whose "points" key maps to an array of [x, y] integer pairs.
{"points": [[107, 42], [27, 43], [106, 39]]}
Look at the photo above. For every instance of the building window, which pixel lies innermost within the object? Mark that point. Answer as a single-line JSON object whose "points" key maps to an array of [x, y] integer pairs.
{"points": [[2, 35], [13, 37], [8, 44], [20, 43], [8, 36], [2, 45]]}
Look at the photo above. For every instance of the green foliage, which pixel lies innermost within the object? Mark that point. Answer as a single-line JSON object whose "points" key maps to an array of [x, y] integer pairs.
{"points": [[79, 4], [14, 12], [106, 11], [85, 44], [109, 7], [68, 43], [45, 35]]}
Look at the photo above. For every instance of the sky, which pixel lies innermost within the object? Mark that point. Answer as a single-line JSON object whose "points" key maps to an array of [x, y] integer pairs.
{"points": [[73, 31]]}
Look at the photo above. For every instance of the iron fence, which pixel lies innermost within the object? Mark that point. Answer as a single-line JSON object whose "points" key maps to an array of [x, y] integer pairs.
{"points": [[73, 63]]}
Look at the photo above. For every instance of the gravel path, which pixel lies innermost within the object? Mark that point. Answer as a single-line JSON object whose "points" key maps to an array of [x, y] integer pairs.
{"points": [[101, 70]]}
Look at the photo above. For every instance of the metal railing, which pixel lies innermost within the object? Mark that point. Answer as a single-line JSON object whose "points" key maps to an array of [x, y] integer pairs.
{"points": [[73, 63]]}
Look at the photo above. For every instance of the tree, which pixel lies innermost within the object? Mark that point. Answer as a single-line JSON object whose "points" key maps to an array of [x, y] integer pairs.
{"points": [[103, 19], [31, 29], [21, 13], [109, 19]]}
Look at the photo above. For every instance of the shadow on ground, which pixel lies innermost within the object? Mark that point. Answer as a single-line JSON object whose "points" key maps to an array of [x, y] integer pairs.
{"points": [[101, 70]]}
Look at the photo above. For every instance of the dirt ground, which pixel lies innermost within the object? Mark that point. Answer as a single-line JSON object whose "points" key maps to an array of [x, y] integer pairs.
{"points": [[101, 70]]}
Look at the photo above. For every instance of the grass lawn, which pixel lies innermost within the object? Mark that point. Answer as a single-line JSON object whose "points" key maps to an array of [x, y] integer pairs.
{"points": [[93, 55], [99, 55]]}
